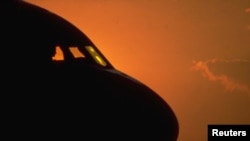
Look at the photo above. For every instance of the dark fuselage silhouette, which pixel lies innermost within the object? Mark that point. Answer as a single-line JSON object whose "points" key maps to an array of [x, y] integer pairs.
{"points": [[75, 98]]}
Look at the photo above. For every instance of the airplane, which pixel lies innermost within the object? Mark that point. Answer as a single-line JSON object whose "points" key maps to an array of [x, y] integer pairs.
{"points": [[56, 84]]}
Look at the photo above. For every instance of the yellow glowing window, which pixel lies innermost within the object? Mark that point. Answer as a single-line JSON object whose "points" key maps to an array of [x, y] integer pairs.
{"points": [[58, 54], [76, 52], [96, 56]]}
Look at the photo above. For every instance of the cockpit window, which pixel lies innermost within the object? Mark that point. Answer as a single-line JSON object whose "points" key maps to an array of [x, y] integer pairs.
{"points": [[73, 52], [96, 56], [76, 52], [58, 54]]}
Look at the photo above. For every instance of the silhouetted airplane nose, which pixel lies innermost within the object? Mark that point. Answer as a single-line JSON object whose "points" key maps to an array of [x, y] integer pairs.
{"points": [[78, 95], [138, 109]]}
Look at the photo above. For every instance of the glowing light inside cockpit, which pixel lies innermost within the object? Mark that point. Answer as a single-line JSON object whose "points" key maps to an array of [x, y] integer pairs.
{"points": [[96, 56]]}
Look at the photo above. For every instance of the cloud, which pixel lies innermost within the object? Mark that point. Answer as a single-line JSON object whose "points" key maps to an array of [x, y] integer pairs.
{"points": [[228, 83]]}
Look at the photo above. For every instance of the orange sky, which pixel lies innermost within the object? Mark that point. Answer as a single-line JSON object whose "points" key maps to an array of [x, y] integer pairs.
{"points": [[194, 53]]}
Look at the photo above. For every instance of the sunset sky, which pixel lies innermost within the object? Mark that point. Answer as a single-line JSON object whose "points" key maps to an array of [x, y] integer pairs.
{"points": [[194, 53]]}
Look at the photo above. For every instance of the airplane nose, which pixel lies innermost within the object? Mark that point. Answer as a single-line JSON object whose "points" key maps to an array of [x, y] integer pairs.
{"points": [[120, 109], [151, 118], [139, 112]]}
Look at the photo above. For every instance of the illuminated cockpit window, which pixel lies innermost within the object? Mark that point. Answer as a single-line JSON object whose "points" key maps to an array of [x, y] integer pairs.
{"points": [[58, 54], [76, 52], [96, 56]]}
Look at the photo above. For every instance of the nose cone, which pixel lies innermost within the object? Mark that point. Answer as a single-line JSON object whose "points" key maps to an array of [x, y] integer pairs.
{"points": [[117, 107], [150, 117], [137, 111]]}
